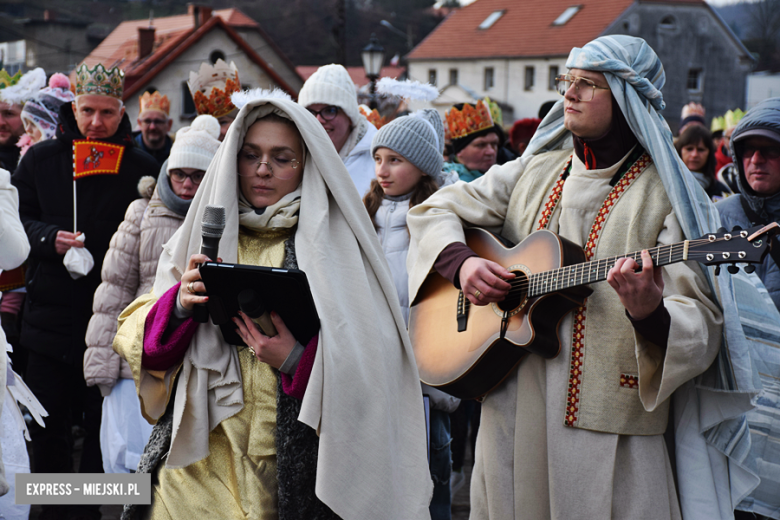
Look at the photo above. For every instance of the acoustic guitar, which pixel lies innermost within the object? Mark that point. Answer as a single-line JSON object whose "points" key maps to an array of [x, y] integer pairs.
{"points": [[467, 350]]}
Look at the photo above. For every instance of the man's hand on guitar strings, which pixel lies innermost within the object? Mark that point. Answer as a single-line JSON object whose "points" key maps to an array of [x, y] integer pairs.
{"points": [[484, 281], [640, 292]]}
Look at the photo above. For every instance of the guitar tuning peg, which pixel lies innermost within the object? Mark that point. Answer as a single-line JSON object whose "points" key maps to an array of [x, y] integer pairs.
{"points": [[733, 269], [736, 228], [750, 268], [717, 270]]}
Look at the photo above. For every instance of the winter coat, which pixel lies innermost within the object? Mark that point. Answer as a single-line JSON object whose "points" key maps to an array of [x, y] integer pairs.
{"points": [[390, 222], [128, 272], [14, 246], [764, 116], [58, 308], [360, 162]]}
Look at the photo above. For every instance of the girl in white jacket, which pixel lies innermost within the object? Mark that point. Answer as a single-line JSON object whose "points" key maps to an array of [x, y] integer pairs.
{"points": [[408, 160]]}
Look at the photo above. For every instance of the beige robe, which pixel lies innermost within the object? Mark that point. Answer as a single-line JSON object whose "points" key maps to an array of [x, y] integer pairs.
{"points": [[528, 464]]}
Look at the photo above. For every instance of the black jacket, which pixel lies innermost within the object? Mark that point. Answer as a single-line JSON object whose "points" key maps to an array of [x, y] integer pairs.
{"points": [[57, 307]]}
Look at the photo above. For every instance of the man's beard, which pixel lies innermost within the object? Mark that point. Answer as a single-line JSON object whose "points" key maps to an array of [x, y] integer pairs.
{"points": [[155, 140], [11, 139]]}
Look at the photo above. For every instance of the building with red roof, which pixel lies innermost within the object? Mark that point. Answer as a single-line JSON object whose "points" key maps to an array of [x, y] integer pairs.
{"points": [[512, 51], [158, 54]]}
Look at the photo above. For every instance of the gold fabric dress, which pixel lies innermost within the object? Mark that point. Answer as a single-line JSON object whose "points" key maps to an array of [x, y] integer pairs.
{"points": [[238, 478]]}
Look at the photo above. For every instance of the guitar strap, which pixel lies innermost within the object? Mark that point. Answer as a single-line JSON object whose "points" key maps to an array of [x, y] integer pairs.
{"points": [[631, 168]]}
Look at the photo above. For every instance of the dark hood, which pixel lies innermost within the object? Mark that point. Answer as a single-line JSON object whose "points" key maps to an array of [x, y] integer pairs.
{"points": [[68, 130], [764, 118]]}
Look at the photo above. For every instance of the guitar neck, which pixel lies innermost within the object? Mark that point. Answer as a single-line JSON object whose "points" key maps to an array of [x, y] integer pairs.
{"points": [[596, 270]]}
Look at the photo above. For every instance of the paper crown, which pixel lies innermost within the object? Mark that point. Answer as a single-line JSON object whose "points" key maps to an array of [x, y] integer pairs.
{"points": [[154, 101], [7, 80], [718, 124], [373, 116], [100, 81], [732, 117], [469, 119], [693, 109], [212, 86]]}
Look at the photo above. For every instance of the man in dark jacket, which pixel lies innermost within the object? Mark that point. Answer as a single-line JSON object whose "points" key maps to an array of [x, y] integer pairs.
{"points": [[94, 146], [755, 146]]}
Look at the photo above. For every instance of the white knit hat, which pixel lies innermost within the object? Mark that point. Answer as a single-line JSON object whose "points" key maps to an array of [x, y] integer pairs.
{"points": [[195, 145], [331, 85]]}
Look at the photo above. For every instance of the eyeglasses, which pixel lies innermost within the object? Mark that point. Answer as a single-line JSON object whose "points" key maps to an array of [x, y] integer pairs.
{"points": [[327, 113], [180, 176], [157, 122], [282, 165], [767, 152], [584, 87]]}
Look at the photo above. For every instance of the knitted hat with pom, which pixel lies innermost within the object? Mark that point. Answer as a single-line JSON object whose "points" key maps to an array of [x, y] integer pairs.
{"points": [[418, 137], [195, 145], [331, 85], [44, 109]]}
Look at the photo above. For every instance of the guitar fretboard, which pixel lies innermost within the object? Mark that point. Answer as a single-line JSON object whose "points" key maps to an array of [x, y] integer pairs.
{"points": [[596, 270]]}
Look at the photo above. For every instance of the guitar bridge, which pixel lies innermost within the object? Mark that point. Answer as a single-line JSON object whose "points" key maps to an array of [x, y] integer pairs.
{"points": [[463, 311]]}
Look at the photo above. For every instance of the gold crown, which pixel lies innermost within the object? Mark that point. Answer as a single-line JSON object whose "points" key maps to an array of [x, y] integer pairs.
{"points": [[7, 80], [718, 124], [495, 112], [212, 86], [100, 81], [373, 116], [469, 119], [156, 102]]}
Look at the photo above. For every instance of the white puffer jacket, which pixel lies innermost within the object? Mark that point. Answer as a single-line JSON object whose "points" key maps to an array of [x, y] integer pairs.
{"points": [[128, 272], [360, 162], [390, 220]]}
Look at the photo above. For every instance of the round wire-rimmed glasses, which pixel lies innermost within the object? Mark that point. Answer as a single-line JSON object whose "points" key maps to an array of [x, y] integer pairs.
{"points": [[584, 87], [282, 165]]}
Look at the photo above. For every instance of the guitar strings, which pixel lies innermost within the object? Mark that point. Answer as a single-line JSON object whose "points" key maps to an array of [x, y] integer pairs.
{"points": [[560, 276]]}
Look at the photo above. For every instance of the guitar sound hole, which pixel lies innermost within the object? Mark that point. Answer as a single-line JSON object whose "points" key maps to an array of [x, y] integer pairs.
{"points": [[517, 293]]}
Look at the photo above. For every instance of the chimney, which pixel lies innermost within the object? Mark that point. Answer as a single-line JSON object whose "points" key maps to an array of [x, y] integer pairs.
{"points": [[200, 13], [145, 41]]}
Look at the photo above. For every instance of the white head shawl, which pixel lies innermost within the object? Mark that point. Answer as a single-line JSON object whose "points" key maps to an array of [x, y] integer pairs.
{"points": [[635, 75], [363, 396]]}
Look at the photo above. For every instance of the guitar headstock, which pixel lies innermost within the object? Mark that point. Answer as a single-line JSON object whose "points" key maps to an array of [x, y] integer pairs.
{"points": [[748, 246]]}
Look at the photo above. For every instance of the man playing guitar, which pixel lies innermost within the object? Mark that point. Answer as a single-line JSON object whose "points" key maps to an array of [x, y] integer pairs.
{"points": [[581, 435]]}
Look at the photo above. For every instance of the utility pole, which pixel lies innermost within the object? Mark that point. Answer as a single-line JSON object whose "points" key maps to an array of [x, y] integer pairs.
{"points": [[340, 32]]}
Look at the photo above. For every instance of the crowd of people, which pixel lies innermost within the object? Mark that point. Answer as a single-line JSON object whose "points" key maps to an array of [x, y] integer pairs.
{"points": [[100, 246]]}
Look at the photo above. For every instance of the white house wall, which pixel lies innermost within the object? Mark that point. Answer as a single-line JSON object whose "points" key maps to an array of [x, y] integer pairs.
{"points": [[508, 85], [169, 81]]}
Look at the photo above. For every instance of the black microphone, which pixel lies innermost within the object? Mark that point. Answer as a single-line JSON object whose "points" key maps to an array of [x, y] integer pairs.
{"points": [[212, 226]]}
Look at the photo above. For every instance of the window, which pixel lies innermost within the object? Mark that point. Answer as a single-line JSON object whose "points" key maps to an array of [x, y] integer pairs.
{"points": [[453, 76], [432, 76], [188, 105], [529, 78], [668, 23], [567, 15], [216, 55], [489, 78], [695, 80], [491, 19], [551, 78]]}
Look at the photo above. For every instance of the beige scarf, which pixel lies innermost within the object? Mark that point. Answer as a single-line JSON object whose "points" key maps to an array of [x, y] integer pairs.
{"points": [[363, 396], [282, 215]]}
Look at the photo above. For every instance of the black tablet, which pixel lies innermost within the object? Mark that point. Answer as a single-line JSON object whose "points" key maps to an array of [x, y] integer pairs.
{"points": [[285, 291]]}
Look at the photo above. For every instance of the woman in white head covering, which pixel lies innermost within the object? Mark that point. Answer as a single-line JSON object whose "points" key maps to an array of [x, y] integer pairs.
{"points": [[346, 421]]}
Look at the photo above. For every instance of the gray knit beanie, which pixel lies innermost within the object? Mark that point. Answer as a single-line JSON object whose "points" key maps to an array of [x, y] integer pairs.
{"points": [[418, 137]]}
